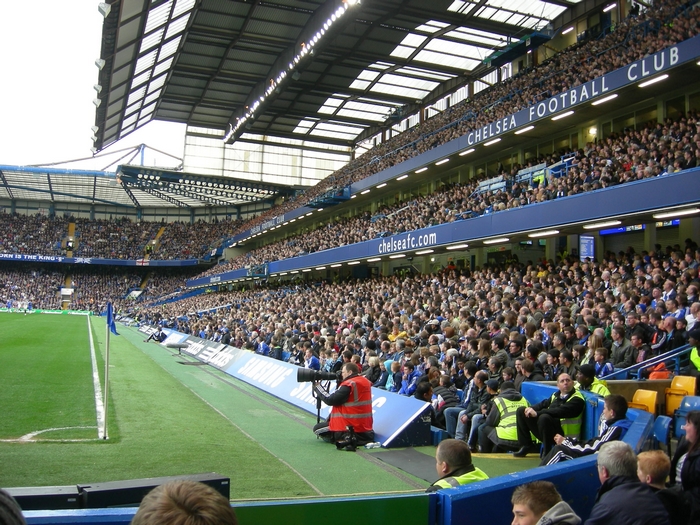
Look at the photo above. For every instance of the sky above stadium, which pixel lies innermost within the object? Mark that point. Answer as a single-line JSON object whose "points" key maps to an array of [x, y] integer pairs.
{"points": [[47, 63]]}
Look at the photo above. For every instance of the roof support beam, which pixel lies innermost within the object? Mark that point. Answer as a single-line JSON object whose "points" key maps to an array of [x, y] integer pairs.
{"points": [[7, 186]]}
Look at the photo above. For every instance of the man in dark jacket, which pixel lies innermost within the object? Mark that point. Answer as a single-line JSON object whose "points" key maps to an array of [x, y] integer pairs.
{"points": [[475, 396], [613, 427], [499, 428], [559, 414], [623, 499], [530, 372]]}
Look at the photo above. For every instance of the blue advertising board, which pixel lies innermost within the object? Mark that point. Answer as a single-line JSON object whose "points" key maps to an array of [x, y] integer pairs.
{"points": [[648, 194], [94, 260], [392, 412]]}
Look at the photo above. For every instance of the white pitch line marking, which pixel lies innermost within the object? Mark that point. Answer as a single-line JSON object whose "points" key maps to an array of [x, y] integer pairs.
{"points": [[99, 405], [28, 438]]}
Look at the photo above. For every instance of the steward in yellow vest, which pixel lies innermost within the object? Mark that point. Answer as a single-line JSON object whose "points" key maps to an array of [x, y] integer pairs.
{"points": [[453, 463], [562, 413], [500, 427]]}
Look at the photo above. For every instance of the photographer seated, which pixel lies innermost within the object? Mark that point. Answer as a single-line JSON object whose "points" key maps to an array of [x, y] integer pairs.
{"points": [[350, 421]]}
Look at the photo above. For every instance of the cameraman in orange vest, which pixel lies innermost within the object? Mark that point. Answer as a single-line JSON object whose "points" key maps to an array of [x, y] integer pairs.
{"points": [[350, 421]]}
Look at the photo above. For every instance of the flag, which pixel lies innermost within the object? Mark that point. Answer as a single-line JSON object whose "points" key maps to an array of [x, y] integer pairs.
{"points": [[110, 320]]}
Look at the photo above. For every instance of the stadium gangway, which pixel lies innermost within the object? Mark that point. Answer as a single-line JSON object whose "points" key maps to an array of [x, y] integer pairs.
{"points": [[331, 198], [494, 184], [527, 175], [635, 371]]}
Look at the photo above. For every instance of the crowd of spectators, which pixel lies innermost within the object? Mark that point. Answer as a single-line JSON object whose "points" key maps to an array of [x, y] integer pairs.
{"points": [[653, 295], [113, 239], [31, 234], [119, 238], [619, 158], [635, 37], [192, 241], [657, 149], [38, 285]]}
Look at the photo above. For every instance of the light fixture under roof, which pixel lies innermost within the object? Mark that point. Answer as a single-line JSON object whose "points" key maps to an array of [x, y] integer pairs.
{"points": [[402, 177], [424, 252], [104, 9], [443, 161], [353, 263], [604, 224], [337, 265], [609, 7], [306, 270], [364, 192], [564, 115], [467, 152], [320, 268], [421, 170], [567, 30], [677, 213], [524, 130], [397, 256], [381, 185], [604, 99], [492, 142], [499, 240], [653, 81], [544, 233], [374, 259], [458, 247]]}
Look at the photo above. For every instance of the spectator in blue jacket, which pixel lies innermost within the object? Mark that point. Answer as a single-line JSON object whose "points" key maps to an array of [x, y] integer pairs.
{"points": [[410, 379]]}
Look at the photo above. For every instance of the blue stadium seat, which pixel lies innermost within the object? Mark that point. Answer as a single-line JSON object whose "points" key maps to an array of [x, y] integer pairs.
{"points": [[662, 432], [687, 404]]}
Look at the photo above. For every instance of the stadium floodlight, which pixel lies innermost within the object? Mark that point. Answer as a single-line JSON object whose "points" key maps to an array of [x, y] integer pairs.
{"points": [[104, 9], [544, 233], [598, 225], [525, 130], [100, 63], [653, 81], [563, 115], [499, 240], [97, 88], [95, 129], [97, 102], [604, 100], [678, 213]]}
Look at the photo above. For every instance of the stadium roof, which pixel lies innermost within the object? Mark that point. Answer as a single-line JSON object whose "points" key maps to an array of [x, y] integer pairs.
{"points": [[306, 69], [131, 186]]}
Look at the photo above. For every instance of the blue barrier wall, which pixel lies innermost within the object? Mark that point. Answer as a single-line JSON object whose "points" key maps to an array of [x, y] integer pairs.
{"points": [[577, 481], [480, 503], [670, 190]]}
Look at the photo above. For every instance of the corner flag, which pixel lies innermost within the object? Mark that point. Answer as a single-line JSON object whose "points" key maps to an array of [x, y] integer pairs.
{"points": [[110, 319]]}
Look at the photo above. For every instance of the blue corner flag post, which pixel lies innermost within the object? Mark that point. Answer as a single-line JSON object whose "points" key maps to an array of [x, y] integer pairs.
{"points": [[110, 319], [111, 327]]}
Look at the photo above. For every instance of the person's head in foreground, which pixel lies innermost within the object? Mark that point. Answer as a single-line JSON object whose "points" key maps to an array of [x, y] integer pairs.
{"points": [[184, 503], [10, 512], [533, 500]]}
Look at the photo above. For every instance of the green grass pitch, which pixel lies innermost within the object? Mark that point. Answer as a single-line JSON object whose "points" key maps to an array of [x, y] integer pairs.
{"points": [[157, 426], [167, 416]]}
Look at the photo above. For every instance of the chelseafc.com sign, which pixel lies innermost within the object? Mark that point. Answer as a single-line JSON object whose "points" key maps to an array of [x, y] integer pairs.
{"points": [[408, 241]]}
